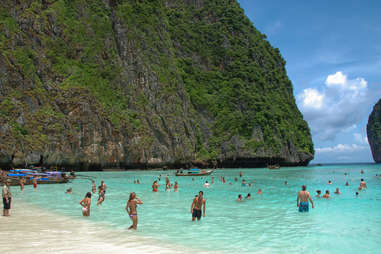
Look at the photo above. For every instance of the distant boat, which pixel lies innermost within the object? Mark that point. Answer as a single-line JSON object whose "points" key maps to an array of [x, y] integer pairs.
{"points": [[194, 172], [273, 166]]}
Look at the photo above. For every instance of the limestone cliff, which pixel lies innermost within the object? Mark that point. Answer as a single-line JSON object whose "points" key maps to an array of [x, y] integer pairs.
{"points": [[90, 84], [373, 129]]}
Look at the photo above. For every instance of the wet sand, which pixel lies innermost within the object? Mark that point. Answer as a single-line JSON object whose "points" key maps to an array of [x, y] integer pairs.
{"points": [[29, 229]]}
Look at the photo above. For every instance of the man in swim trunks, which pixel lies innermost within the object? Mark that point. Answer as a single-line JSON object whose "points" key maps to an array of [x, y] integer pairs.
{"points": [[303, 197], [7, 198], [197, 204]]}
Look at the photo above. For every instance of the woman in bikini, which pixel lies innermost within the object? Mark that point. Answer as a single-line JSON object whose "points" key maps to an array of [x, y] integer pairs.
{"points": [[85, 203], [132, 203]]}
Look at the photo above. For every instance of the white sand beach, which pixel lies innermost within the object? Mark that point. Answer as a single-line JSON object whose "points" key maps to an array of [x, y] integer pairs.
{"points": [[31, 230]]}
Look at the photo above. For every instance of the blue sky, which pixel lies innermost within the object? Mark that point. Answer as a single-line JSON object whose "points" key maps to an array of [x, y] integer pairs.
{"points": [[333, 55]]}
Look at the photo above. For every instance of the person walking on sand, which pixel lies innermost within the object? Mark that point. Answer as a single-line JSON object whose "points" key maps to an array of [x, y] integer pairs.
{"points": [[132, 203], [198, 203], [7, 197], [85, 203], [303, 197]]}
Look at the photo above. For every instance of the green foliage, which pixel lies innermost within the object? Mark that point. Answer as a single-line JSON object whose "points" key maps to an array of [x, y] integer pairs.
{"points": [[229, 71]]}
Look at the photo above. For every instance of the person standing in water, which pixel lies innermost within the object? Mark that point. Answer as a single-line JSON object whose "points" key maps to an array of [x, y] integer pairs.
{"points": [[22, 182], [7, 197], [103, 185], [85, 203], [303, 197], [155, 186], [362, 184], [198, 203], [176, 186], [132, 203], [94, 187], [34, 182]]}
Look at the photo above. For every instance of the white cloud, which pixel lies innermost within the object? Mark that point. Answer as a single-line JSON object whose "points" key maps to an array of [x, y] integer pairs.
{"points": [[336, 79], [341, 148], [311, 98], [339, 106]]}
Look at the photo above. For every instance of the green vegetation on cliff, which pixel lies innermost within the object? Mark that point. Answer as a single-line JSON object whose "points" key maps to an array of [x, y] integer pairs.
{"points": [[125, 82], [374, 132]]}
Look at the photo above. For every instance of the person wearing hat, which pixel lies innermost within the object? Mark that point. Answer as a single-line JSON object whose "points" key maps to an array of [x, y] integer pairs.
{"points": [[7, 197]]}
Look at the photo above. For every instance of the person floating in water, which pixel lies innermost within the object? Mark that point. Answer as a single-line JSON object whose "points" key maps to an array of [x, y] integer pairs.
{"points": [[326, 195], [337, 191], [198, 203], [131, 206], [303, 198], [85, 203], [155, 186]]}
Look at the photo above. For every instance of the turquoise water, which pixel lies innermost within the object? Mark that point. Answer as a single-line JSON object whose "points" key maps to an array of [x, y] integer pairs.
{"points": [[268, 223]]}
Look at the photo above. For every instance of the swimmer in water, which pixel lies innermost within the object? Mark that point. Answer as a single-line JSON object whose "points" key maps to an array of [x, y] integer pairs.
{"points": [[248, 196], [131, 206], [337, 191], [206, 185], [239, 198], [243, 183], [176, 186], [347, 184], [326, 195], [85, 203], [69, 191], [259, 192], [318, 193], [329, 182]]}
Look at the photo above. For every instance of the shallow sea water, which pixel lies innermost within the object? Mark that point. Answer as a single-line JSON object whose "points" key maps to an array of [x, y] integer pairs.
{"points": [[268, 223]]}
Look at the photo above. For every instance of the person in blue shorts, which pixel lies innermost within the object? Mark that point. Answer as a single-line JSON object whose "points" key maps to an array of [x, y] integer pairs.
{"points": [[302, 200]]}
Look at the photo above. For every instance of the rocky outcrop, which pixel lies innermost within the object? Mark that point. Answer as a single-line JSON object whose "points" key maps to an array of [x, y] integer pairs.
{"points": [[373, 129], [141, 84]]}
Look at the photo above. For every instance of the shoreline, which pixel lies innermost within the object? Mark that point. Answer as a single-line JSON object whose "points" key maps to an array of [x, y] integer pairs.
{"points": [[30, 229]]}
